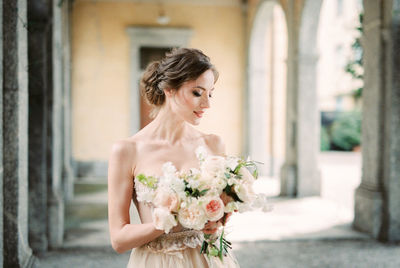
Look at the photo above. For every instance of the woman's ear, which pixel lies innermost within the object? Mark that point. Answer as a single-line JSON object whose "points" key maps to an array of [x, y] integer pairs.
{"points": [[168, 92]]}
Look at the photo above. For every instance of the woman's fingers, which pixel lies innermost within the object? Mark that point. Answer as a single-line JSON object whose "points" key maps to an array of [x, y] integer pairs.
{"points": [[211, 227], [210, 231]]}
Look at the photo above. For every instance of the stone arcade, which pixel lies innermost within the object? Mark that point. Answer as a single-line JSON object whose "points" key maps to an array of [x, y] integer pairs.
{"points": [[36, 174]]}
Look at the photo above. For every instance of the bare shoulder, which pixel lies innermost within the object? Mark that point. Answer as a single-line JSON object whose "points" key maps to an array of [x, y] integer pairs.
{"points": [[215, 144], [124, 152], [124, 147]]}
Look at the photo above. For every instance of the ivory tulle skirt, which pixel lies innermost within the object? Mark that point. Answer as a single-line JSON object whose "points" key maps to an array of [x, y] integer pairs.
{"points": [[177, 250]]}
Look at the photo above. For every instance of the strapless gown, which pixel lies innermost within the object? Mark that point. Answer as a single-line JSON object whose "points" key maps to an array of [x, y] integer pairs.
{"points": [[177, 250]]}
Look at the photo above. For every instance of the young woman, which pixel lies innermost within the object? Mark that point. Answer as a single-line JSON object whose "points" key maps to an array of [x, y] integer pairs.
{"points": [[179, 87]]}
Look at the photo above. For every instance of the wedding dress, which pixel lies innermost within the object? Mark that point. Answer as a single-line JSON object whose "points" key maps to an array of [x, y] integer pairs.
{"points": [[174, 250]]}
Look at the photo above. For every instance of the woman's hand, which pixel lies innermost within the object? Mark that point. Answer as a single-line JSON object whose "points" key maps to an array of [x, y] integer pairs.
{"points": [[225, 218], [211, 227]]}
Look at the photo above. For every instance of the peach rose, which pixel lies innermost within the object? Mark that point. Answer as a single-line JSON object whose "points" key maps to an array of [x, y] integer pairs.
{"points": [[214, 208], [166, 199], [192, 216]]}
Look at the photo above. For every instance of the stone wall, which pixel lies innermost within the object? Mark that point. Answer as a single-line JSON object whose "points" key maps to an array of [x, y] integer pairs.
{"points": [[15, 139]]}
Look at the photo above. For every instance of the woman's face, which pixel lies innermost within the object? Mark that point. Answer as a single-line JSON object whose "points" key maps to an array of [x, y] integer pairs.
{"points": [[192, 99]]}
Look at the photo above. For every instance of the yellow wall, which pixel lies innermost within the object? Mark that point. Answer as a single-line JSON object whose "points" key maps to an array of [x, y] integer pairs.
{"points": [[101, 69]]}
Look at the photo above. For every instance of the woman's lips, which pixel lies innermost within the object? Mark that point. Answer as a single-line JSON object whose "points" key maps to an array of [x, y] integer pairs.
{"points": [[199, 114]]}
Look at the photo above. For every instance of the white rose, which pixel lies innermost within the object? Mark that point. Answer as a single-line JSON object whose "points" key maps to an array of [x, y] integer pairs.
{"points": [[205, 180], [192, 216], [246, 175], [171, 181], [219, 184], [232, 162], [214, 208], [212, 168], [214, 165], [163, 219], [244, 192], [231, 181], [231, 207], [177, 184], [193, 183]]}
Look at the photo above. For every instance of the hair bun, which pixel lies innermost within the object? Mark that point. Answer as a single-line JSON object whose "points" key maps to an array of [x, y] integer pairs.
{"points": [[150, 84], [178, 66]]}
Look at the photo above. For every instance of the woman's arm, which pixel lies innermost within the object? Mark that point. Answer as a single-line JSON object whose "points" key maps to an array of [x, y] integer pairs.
{"points": [[124, 236]]}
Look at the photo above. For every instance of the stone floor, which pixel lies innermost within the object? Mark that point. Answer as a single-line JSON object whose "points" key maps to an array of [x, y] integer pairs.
{"points": [[304, 232], [333, 253]]}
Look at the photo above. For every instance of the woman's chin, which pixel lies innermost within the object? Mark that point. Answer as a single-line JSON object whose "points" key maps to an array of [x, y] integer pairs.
{"points": [[195, 121]]}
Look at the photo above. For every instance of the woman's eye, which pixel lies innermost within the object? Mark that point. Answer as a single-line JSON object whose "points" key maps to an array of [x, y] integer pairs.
{"points": [[197, 94]]}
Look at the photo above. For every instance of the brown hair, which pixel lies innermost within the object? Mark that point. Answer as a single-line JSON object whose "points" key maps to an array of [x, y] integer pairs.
{"points": [[178, 66]]}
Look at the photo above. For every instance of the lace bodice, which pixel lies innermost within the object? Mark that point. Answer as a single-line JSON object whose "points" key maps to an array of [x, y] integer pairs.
{"points": [[173, 242]]}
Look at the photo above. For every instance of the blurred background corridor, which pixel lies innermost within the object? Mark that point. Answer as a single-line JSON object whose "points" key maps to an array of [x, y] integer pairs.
{"points": [[307, 87]]}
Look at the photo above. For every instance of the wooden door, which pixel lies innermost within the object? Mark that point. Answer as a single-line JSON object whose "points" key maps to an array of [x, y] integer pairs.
{"points": [[147, 55]]}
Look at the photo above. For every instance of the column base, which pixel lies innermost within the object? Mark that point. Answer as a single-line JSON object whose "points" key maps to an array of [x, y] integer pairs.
{"points": [[368, 207], [288, 176]]}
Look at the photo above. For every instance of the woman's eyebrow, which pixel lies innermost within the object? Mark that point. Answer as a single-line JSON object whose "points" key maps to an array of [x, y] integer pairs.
{"points": [[200, 87]]}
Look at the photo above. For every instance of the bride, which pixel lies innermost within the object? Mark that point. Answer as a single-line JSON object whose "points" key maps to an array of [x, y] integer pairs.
{"points": [[179, 87]]}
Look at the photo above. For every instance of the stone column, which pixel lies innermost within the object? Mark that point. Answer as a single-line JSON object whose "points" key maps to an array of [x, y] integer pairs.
{"points": [[55, 135], [308, 120], [377, 198], [391, 171], [368, 196], [300, 175], [1, 138], [258, 89], [288, 172], [68, 173], [15, 135], [39, 24]]}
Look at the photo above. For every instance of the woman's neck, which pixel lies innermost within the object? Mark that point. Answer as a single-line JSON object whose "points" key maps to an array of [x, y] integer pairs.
{"points": [[167, 126]]}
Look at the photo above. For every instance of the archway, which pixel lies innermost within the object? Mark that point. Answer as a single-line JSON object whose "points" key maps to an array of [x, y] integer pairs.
{"points": [[266, 87]]}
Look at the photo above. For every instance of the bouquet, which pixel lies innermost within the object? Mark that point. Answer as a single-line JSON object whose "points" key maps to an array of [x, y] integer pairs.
{"points": [[221, 186]]}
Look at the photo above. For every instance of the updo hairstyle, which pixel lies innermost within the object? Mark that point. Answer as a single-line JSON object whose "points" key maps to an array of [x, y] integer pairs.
{"points": [[178, 66]]}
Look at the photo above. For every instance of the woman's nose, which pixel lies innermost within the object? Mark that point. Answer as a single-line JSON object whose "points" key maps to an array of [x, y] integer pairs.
{"points": [[206, 102]]}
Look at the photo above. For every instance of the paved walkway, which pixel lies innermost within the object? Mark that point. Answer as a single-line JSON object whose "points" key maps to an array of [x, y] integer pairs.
{"points": [[304, 232]]}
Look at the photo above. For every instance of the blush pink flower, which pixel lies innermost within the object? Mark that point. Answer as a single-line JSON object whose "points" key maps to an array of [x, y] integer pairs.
{"points": [[163, 219], [166, 199], [214, 209]]}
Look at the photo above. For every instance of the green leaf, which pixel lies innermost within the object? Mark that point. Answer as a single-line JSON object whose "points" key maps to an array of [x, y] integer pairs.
{"points": [[149, 181], [221, 244], [204, 247], [213, 251], [203, 192]]}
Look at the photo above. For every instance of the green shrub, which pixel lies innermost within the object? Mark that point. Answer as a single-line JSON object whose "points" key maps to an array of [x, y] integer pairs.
{"points": [[346, 131], [325, 142]]}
